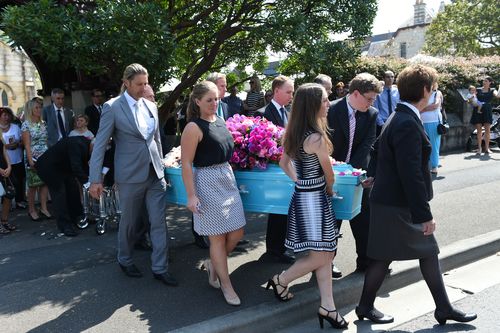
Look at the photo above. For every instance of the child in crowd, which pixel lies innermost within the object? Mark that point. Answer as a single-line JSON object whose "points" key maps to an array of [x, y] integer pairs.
{"points": [[81, 129], [472, 98]]}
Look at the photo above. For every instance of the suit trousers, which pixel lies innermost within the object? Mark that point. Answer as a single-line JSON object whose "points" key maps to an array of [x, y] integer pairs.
{"points": [[133, 196], [276, 233], [65, 194], [360, 227]]}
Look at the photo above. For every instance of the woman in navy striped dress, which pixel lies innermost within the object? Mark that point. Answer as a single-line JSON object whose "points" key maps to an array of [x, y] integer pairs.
{"points": [[311, 220]]}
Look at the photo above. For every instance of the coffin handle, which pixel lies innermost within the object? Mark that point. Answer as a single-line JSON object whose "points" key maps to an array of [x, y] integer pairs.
{"points": [[243, 189], [337, 197]]}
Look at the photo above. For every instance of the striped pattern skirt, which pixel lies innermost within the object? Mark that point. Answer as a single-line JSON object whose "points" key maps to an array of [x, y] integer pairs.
{"points": [[221, 207], [311, 220]]}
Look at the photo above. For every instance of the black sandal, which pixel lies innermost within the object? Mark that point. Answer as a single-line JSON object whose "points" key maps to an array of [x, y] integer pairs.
{"points": [[3, 230], [8, 226], [342, 324], [284, 295]]}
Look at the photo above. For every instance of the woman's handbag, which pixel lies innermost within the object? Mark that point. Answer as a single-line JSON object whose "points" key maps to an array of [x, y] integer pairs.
{"points": [[443, 128], [10, 190]]}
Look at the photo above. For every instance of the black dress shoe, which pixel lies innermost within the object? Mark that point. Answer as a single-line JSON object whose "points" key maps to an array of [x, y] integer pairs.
{"points": [[455, 315], [131, 271], [167, 279], [336, 273], [374, 315]]}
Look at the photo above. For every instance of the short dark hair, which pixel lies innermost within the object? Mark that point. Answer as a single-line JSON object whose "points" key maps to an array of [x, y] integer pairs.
{"points": [[95, 91], [412, 81], [8, 111]]}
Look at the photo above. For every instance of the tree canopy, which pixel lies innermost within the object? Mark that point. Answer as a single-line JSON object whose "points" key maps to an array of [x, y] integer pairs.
{"points": [[465, 28], [185, 39]]}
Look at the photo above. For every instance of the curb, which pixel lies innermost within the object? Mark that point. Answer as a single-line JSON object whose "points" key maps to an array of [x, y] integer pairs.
{"points": [[347, 290]]}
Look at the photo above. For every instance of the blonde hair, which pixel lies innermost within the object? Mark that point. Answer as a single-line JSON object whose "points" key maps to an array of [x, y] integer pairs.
{"points": [[29, 106], [130, 72], [199, 90], [304, 117]]}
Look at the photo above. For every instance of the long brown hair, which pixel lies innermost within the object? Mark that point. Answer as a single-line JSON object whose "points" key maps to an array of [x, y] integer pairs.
{"points": [[304, 117], [199, 90]]}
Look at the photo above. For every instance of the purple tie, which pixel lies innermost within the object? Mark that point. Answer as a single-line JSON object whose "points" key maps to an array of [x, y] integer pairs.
{"points": [[352, 128]]}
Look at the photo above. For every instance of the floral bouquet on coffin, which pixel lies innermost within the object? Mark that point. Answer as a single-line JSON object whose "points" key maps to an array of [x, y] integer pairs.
{"points": [[257, 142]]}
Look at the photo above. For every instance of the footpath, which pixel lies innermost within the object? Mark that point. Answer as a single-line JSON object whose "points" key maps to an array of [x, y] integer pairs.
{"points": [[50, 283]]}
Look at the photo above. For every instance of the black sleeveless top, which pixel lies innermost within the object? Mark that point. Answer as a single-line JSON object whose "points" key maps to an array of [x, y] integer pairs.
{"points": [[217, 144]]}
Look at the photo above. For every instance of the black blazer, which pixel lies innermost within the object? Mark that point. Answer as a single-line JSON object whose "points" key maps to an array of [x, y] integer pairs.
{"points": [[272, 114], [364, 134], [94, 117], [68, 157], [400, 165]]}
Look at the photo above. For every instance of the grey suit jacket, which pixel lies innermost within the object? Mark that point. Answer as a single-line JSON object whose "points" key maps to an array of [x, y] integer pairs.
{"points": [[50, 117], [133, 153]]}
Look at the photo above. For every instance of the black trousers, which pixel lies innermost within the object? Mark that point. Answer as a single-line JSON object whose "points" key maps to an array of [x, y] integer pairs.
{"points": [[276, 233], [65, 196], [19, 174], [360, 227]]}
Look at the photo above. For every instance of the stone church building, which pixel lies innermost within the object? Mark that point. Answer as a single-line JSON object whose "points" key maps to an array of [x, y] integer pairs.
{"points": [[18, 78], [408, 40]]}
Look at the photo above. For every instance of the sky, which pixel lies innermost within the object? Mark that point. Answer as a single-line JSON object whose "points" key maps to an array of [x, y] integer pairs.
{"points": [[391, 14]]}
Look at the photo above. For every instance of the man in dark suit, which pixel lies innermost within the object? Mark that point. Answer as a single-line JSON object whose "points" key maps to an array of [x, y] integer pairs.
{"points": [[59, 120], [277, 113], [59, 167], [94, 111], [353, 125]]}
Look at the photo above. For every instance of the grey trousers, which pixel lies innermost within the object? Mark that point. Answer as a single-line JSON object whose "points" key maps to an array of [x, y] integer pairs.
{"points": [[132, 197]]}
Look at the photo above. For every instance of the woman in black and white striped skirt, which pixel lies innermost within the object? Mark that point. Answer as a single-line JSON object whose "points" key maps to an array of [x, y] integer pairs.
{"points": [[311, 220], [213, 196]]}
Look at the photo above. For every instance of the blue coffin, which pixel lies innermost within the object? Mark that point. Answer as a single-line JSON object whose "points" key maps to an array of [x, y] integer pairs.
{"points": [[270, 191], [176, 192], [265, 191]]}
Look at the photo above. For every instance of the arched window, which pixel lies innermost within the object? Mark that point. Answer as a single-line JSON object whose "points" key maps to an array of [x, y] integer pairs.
{"points": [[5, 99]]}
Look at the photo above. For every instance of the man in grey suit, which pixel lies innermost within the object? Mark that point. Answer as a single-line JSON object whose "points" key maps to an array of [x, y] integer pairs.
{"points": [[133, 123], [59, 120]]}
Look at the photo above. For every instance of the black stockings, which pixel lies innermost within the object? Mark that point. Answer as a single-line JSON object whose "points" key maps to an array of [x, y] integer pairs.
{"points": [[431, 271]]}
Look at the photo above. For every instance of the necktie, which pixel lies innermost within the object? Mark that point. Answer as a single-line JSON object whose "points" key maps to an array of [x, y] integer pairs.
{"points": [[141, 122], [352, 128], [389, 101], [220, 113], [99, 108], [61, 124], [283, 116]]}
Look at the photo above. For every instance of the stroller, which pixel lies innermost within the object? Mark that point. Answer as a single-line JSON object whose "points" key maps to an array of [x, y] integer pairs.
{"points": [[103, 211], [494, 133]]}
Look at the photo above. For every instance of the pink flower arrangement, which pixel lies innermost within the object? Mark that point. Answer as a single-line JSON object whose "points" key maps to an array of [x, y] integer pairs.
{"points": [[257, 142]]}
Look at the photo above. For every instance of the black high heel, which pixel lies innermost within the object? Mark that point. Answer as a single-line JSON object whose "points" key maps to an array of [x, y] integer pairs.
{"points": [[284, 295], [455, 315], [342, 324]]}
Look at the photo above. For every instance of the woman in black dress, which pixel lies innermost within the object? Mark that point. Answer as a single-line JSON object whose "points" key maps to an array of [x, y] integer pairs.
{"points": [[485, 94], [401, 222]]}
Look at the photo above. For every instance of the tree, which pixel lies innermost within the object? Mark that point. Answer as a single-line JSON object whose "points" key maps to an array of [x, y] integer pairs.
{"points": [[465, 28], [184, 39]]}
